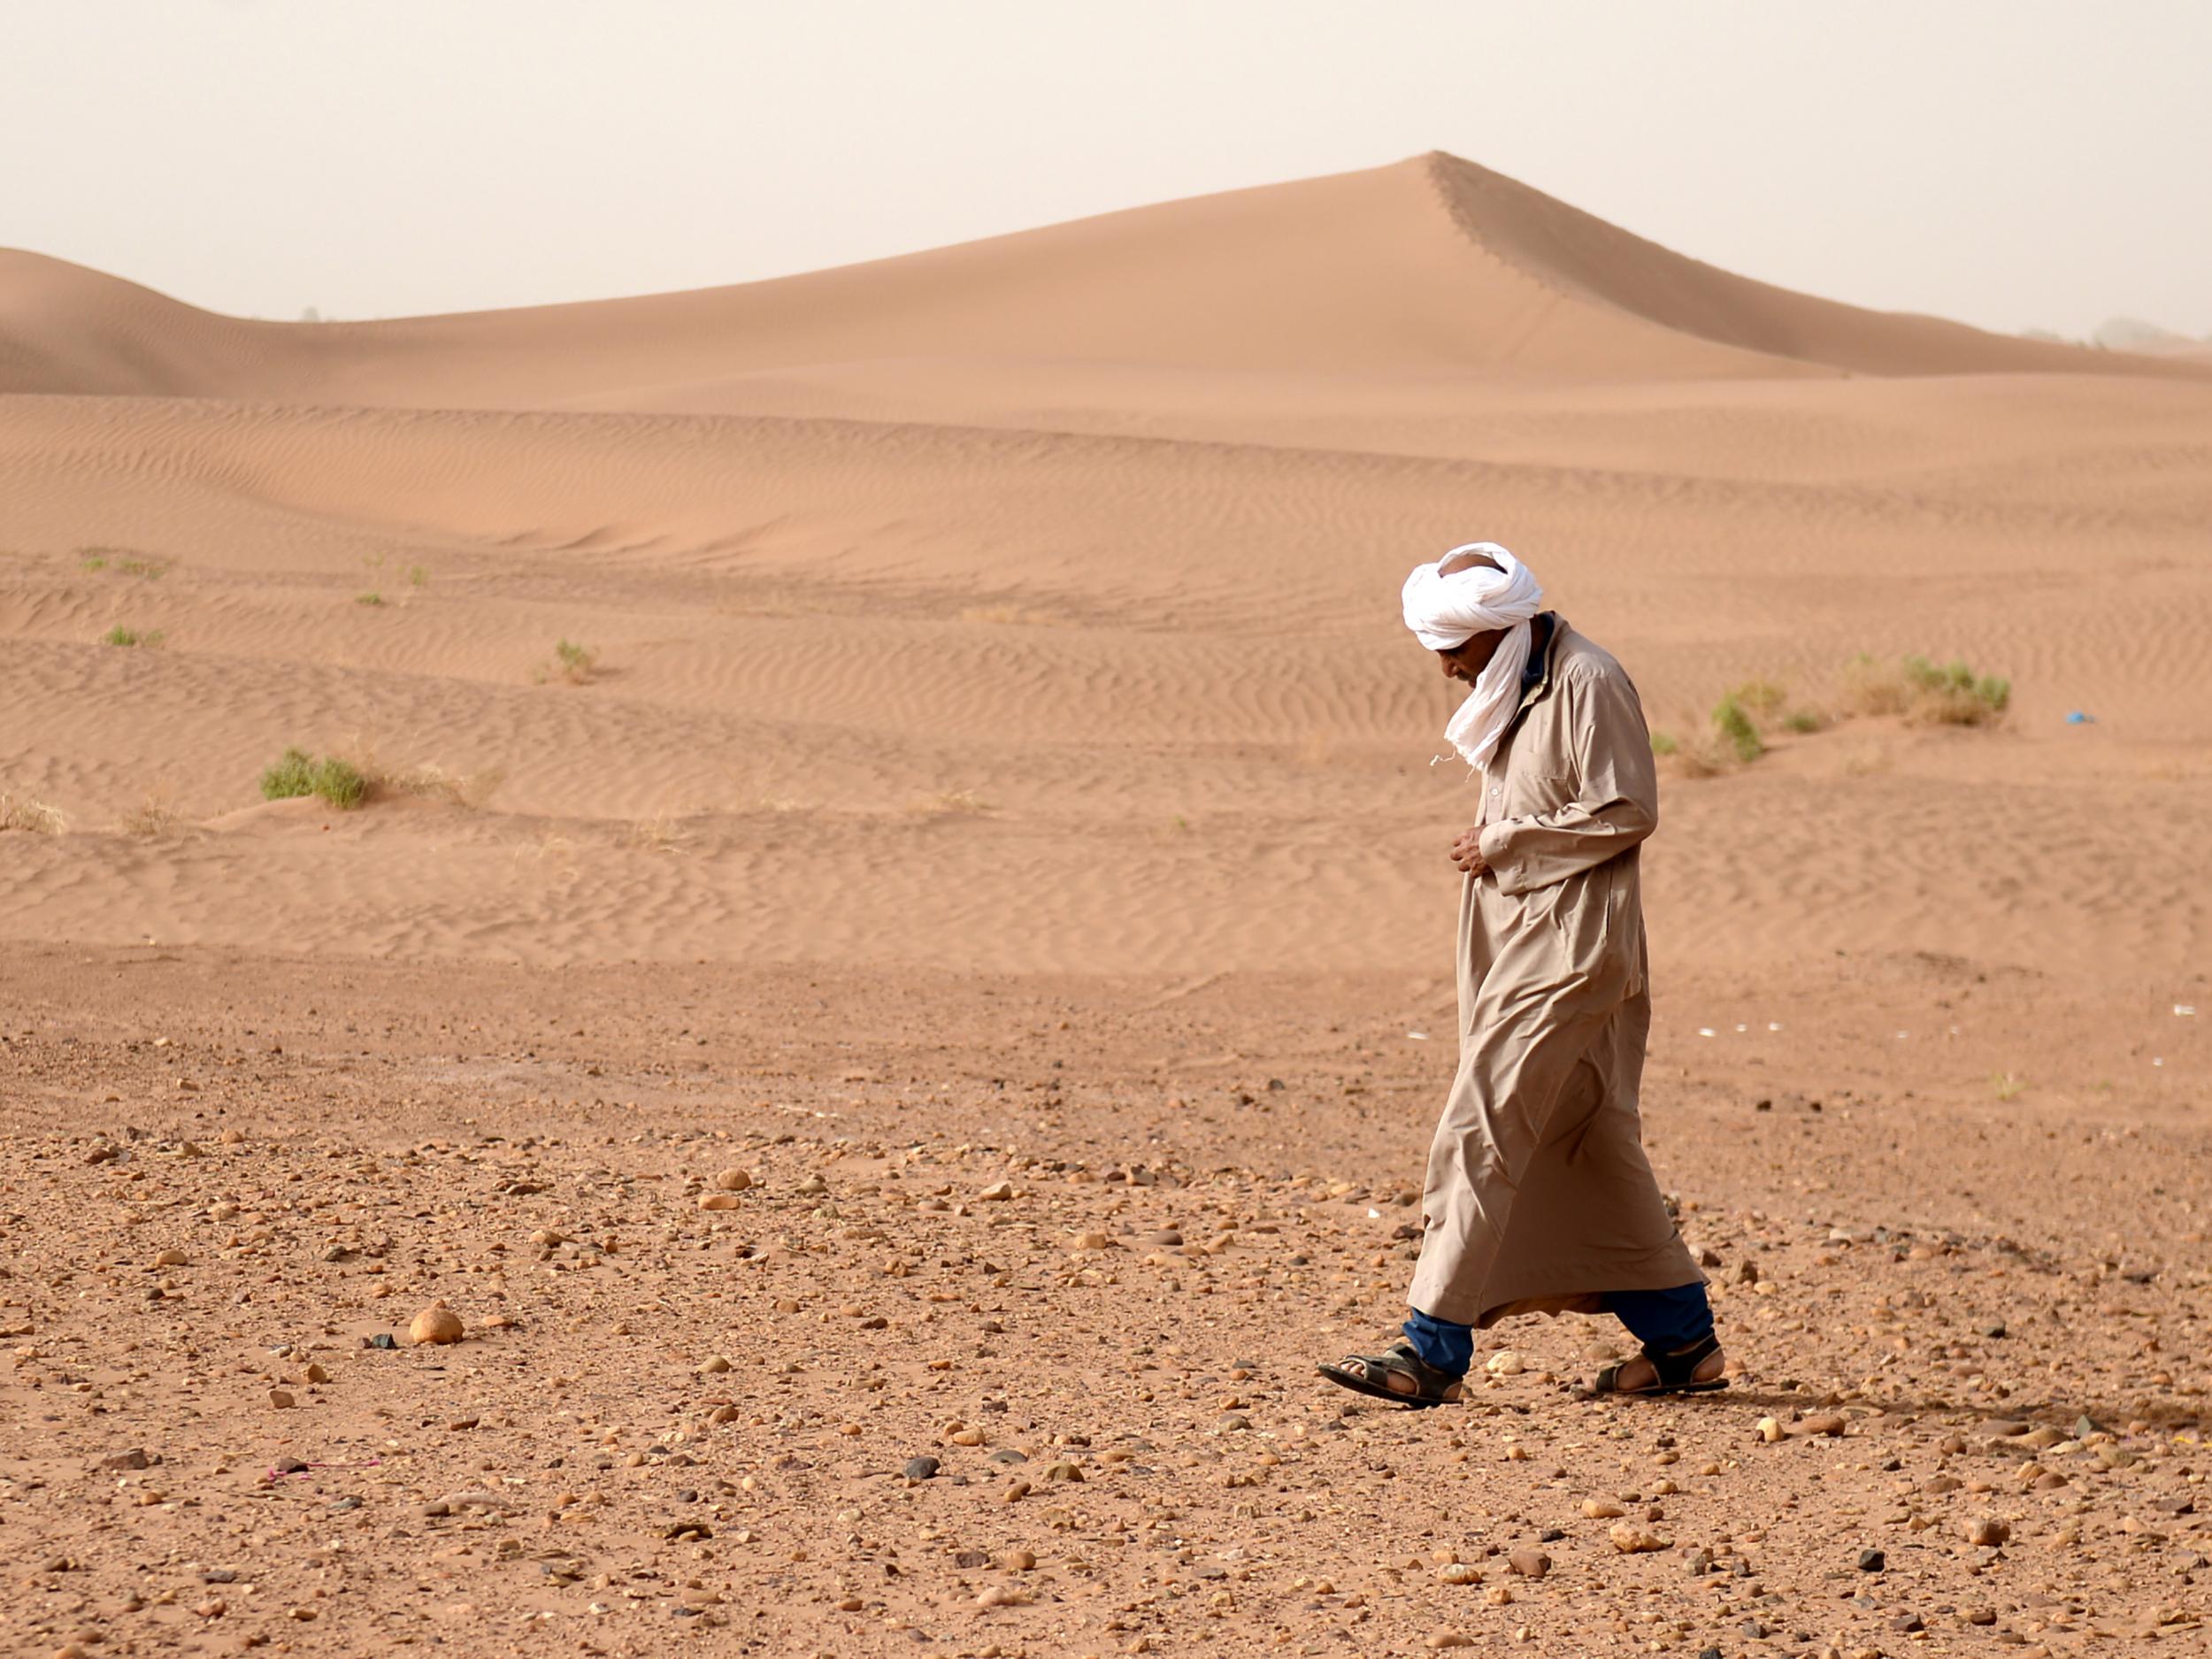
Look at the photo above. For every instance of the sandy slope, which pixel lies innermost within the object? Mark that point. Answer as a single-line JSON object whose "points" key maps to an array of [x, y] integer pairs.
{"points": [[999, 687]]}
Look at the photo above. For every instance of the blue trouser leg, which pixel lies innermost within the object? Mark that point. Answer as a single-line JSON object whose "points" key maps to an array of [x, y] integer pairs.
{"points": [[1667, 1320], [1447, 1346]]}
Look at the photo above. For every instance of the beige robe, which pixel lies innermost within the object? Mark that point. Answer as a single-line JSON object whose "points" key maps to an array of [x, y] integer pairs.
{"points": [[1539, 1196]]}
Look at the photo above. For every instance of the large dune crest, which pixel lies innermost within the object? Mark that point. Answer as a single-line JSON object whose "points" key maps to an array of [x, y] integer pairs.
{"points": [[1431, 265]]}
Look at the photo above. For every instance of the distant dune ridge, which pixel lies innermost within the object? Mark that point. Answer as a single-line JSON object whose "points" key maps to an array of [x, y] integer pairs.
{"points": [[1431, 263], [1029, 605]]}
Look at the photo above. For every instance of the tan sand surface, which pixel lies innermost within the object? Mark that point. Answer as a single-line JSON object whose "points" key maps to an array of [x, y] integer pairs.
{"points": [[998, 761]]}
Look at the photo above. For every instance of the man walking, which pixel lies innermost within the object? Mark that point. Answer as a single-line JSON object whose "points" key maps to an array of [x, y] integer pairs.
{"points": [[1539, 1197]]}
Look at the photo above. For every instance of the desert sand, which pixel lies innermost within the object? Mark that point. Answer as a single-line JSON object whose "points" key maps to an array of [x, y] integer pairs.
{"points": [[954, 964]]}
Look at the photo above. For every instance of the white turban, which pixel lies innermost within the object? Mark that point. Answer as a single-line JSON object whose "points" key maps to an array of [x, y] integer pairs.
{"points": [[1446, 611]]}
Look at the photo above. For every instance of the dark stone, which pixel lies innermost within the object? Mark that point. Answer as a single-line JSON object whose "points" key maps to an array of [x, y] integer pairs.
{"points": [[1754, 1630], [1008, 1454], [1872, 1561], [922, 1468], [1908, 1622], [1994, 1332], [1550, 1535], [382, 1339]]}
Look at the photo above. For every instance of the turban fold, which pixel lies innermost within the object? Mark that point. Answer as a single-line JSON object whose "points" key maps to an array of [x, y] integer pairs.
{"points": [[1446, 611]]}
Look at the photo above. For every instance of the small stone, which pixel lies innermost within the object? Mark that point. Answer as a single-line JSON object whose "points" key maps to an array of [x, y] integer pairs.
{"points": [[1506, 1362], [1599, 1509], [997, 1192], [1908, 1622], [1636, 1540], [172, 1257], [1449, 1638], [733, 1181], [719, 1200], [1017, 1561], [1770, 1430], [714, 1364], [437, 1322], [1530, 1563], [922, 1468], [1002, 1596], [1987, 1532], [281, 1399], [1064, 1472], [1872, 1560], [1994, 1332], [1831, 1425], [1459, 1572], [1091, 1241], [134, 1458]]}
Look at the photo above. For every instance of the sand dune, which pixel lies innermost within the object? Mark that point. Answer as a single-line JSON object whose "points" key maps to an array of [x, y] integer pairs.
{"points": [[1431, 265]]}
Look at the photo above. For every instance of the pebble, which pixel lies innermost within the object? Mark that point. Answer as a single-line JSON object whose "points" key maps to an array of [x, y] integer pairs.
{"points": [[1831, 1425], [719, 1200], [1459, 1572], [1770, 1430], [1506, 1362], [1986, 1532], [922, 1468], [1530, 1563], [1599, 1509], [1872, 1560], [172, 1257], [1636, 1540], [281, 1399], [437, 1322], [733, 1181], [997, 1192], [1449, 1638]]}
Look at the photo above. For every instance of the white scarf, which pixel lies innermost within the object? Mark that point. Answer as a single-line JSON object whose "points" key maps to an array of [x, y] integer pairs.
{"points": [[1446, 612]]}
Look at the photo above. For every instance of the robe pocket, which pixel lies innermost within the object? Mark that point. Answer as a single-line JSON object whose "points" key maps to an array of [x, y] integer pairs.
{"points": [[1530, 795]]}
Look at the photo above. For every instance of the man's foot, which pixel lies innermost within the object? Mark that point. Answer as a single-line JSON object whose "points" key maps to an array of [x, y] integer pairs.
{"points": [[1700, 1367], [1396, 1373]]}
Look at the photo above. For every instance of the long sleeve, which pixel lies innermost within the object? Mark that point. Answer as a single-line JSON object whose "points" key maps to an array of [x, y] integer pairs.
{"points": [[1615, 802]]}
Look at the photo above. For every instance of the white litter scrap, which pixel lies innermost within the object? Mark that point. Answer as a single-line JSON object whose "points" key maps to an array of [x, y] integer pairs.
{"points": [[2183, 1010], [1417, 1036], [1707, 1031]]}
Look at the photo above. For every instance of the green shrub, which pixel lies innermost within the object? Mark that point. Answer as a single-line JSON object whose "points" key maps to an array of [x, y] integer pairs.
{"points": [[299, 773], [370, 599], [1737, 730], [576, 661], [1661, 743], [121, 636]]}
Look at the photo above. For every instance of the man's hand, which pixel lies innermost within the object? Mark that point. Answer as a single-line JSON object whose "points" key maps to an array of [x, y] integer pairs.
{"points": [[1467, 853]]}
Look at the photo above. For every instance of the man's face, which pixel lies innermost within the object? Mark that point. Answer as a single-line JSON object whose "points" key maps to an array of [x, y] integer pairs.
{"points": [[1466, 662]]}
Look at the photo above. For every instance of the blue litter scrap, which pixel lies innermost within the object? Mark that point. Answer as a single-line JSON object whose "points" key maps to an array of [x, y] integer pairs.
{"points": [[2078, 719]]}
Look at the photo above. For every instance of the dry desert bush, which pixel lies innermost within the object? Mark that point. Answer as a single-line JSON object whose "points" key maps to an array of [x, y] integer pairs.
{"points": [[949, 803], [571, 661], [121, 636], [1925, 693], [383, 778], [153, 816], [19, 811], [663, 834]]}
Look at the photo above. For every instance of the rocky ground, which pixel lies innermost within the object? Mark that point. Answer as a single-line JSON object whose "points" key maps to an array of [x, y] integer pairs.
{"points": [[807, 1314]]}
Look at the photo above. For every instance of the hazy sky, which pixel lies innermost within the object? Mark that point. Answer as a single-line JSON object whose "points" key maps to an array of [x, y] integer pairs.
{"points": [[2013, 163]]}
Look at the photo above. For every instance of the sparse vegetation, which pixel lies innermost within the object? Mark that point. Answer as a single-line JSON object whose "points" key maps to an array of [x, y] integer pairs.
{"points": [[33, 817], [371, 599], [1925, 693], [121, 636], [122, 559], [574, 662], [664, 834], [418, 576], [2006, 1086], [1732, 724], [329, 779], [1915, 688], [153, 816], [949, 803], [384, 780]]}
